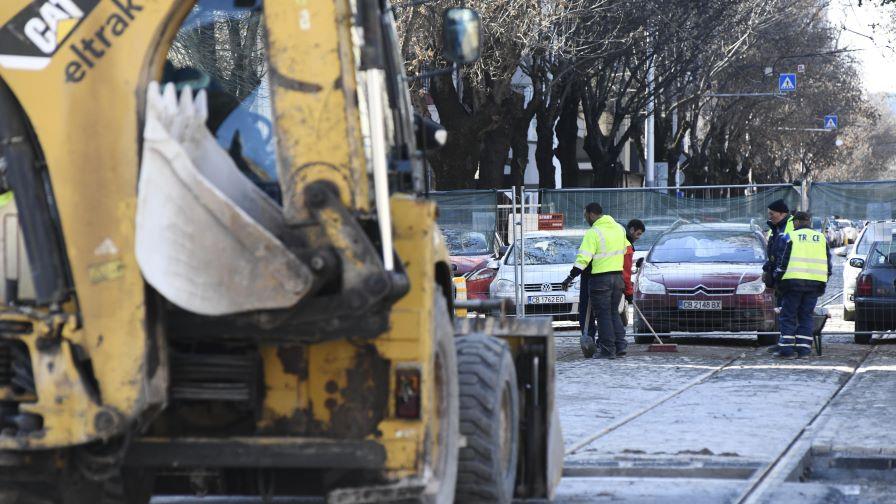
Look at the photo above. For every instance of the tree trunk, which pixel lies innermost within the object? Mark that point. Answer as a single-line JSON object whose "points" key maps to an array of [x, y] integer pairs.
{"points": [[567, 135], [493, 157], [544, 149]]}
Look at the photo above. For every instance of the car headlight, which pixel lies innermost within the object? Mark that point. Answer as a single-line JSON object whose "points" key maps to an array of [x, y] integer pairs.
{"points": [[504, 287], [754, 287], [648, 286]]}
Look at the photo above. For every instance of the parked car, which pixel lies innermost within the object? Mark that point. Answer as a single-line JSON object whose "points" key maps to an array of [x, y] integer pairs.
{"points": [[849, 232], [706, 277], [873, 232], [468, 250], [480, 279], [833, 233], [875, 297], [548, 257]]}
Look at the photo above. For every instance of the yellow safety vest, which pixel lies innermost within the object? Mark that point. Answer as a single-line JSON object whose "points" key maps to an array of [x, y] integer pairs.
{"points": [[787, 228], [808, 256], [604, 246]]}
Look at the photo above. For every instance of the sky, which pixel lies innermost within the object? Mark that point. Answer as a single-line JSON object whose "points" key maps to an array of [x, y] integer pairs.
{"points": [[877, 48]]}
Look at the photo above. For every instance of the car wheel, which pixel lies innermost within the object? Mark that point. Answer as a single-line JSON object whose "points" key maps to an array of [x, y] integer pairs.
{"points": [[863, 332], [849, 315], [641, 327]]}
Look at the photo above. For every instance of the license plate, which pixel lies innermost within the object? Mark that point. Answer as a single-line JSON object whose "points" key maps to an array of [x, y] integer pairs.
{"points": [[699, 305], [546, 299]]}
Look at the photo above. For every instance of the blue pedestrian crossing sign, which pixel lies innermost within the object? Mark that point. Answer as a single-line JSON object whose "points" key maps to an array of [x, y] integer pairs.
{"points": [[787, 82], [831, 122]]}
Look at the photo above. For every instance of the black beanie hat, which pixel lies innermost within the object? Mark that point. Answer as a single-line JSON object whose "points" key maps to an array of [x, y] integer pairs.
{"points": [[779, 206]]}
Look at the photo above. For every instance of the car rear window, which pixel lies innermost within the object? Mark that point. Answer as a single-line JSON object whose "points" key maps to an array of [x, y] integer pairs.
{"points": [[882, 255], [876, 231], [548, 250], [708, 246]]}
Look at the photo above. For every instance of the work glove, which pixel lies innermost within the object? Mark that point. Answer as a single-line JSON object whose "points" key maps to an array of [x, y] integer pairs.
{"points": [[566, 283], [630, 298]]}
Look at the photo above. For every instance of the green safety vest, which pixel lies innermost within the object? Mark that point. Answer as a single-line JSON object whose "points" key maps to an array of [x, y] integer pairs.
{"points": [[808, 256], [604, 246], [787, 228]]}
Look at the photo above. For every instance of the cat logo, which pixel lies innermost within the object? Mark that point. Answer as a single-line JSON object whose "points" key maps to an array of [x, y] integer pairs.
{"points": [[31, 38]]}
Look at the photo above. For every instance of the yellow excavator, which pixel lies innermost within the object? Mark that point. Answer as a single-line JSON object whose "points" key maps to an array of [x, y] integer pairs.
{"points": [[221, 275]]}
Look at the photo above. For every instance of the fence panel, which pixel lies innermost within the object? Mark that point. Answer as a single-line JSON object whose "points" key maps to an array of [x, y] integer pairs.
{"points": [[854, 200]]}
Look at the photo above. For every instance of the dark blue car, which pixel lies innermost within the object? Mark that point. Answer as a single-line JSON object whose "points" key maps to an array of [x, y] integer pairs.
{"points": [[876, 291]]}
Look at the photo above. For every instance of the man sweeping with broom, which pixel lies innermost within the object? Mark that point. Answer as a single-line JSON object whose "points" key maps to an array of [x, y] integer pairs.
{"points": [[604, 247]]}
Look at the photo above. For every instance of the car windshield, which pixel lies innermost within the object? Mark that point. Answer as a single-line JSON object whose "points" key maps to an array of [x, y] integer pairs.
{"points": [[466, 243], [708, 246], [649, 237], [877, 231], [544, 250], [883, 254]]}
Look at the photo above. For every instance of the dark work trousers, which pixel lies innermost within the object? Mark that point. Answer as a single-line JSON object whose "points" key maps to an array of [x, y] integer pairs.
{"points": [[583, 304], [797, 307], [606, 291]]}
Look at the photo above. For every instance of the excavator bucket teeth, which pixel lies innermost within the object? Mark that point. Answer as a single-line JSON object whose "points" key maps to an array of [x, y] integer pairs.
{"points": [[206, 237]]}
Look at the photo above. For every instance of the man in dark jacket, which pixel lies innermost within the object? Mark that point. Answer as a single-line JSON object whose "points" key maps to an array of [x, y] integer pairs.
{"points": [[801, 272], [780, 222]]}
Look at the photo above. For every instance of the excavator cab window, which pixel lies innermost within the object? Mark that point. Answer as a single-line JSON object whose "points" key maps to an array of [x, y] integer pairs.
{"points": [[220, 47]]}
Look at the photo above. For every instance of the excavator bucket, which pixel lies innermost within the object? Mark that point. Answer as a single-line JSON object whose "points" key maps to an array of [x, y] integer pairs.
{"points": [[207, 237]]}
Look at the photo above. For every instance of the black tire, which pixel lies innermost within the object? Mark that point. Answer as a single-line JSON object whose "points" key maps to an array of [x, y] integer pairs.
{"points": [[489, 419], [641, 327], [863, 332], [767, 339], [131, 487], [443, 439]]}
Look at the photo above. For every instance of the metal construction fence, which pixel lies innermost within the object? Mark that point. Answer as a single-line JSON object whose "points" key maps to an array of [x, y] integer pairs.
{"points": [[854, 200], [702, 252]]}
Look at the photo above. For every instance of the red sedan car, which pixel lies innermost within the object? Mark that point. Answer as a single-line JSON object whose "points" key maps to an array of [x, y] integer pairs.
{"points": [[706, 278]]}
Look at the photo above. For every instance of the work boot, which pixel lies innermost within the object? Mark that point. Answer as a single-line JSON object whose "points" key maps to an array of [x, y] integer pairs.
{"points": [[605, 357], [621, 354], [772, 349], [784, 355]]}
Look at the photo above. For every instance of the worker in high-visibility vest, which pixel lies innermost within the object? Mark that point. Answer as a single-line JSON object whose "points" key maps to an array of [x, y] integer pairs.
{"points": [[802, 273], [604, 247], [780, 222]]}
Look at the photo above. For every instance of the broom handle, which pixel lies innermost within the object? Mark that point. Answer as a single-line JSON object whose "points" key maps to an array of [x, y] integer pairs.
{"points": [[646, 322], [587, 317]]}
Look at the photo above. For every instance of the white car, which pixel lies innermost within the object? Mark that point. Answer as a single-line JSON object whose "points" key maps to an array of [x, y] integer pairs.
{"points": [[873, 231], [850, 233], [549, 257]]}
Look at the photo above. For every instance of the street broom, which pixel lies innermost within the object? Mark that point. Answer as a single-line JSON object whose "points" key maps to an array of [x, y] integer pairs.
{"points": [[659, 346]]}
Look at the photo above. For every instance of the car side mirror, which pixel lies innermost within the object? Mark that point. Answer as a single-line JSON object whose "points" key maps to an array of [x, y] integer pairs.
{"points": [[493, 264], [639, 262], [461, 35], [857, 262]]}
